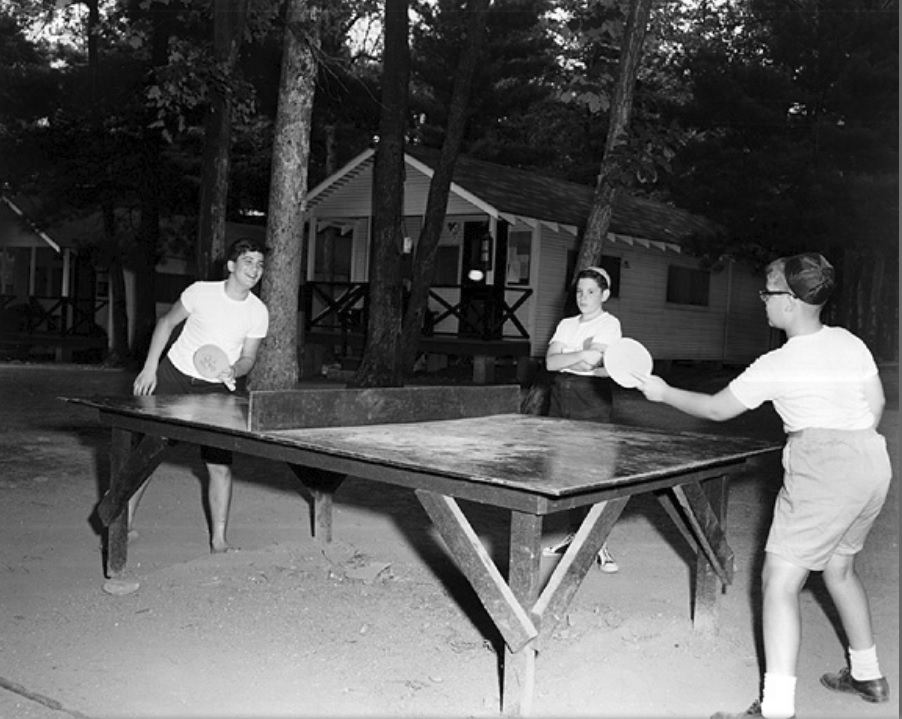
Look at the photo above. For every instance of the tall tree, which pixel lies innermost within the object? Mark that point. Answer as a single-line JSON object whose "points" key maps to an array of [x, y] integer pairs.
{"points": [[437, 201], [277, 367], [515, 76], [381, 363], [228, 29], [612, 164], [794, 119], [150, 192], [109, 250]]}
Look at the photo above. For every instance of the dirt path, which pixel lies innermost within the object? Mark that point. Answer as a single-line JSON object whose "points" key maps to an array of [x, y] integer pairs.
{"points": [[382, 624]]}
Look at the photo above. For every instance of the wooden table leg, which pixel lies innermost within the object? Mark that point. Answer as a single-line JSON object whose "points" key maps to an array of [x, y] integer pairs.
{"points": [[698, 509], [133, 458], [518, 687], [117, 529], [322, 484], [497, 595], [707, 583]]}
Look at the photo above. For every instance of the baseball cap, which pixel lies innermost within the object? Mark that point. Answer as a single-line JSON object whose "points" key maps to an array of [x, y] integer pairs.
{"points": [[810, 277]]}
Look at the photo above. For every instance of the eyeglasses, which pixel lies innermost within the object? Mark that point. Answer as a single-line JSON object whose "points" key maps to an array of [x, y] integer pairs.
{"points": [[765, 295]]}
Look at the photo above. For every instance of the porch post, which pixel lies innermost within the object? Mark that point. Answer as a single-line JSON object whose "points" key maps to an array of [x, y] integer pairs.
{"points": [[311, 246], [32, 271], [67, 268], [66, 290]]}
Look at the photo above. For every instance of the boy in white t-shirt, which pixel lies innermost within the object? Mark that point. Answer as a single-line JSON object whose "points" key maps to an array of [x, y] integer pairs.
{"points": [[224, 313], [581, 388], [824, 384]]}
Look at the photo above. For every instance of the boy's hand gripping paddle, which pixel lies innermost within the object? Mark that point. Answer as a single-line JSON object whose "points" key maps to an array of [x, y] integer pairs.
{"points": [[628, 362], [211, 361]]}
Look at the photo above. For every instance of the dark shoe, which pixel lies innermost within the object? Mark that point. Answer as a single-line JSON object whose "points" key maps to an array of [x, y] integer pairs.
{"points": [[871, 690], [753, 711]]}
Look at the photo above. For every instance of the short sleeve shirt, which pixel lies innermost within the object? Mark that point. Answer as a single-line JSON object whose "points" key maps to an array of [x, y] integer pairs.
{"points": [[814, 380], [215, 318], [576, 335]]}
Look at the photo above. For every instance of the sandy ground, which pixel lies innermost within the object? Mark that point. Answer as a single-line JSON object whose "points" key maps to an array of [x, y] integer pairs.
{"points": [[381, 624]]}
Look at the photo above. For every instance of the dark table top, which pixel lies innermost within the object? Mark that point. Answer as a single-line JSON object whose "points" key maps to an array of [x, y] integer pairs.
{"points": [[544, 455]]}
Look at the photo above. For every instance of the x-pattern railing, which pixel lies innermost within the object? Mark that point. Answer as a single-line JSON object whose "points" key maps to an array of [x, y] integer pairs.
{"points": [[346, 302], [61, 316], [345, 306]]}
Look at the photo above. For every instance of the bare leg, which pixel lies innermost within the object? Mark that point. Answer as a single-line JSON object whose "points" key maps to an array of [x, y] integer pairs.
{"points": [[851, 601], [219, 495], [781, 614]]}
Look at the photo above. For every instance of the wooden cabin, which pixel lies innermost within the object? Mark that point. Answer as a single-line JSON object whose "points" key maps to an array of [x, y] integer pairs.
{"points": [[51, 302], [507, 251]]}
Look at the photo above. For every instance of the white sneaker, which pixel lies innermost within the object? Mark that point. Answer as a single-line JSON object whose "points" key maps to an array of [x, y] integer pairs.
{"points": [[554, 550], [604, 560]]}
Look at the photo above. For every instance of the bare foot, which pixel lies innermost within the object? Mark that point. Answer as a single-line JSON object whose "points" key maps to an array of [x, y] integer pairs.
{"points": [[222, 548], [119, 587]]}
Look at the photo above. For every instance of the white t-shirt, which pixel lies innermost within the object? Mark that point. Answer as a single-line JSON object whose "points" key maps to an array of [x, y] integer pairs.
{"points": [[814, 380], [215, 318], [577, 335]]}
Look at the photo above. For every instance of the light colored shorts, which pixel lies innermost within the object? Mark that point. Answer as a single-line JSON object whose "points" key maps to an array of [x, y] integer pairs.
{"points": [[834, 486]]}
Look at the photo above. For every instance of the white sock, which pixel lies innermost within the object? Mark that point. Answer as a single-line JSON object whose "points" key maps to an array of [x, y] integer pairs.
{"points": [[863, 664], [778, 700]]}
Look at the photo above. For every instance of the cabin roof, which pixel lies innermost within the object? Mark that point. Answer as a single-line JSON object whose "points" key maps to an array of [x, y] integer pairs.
{"points": [[513, 192], [17, 228]]}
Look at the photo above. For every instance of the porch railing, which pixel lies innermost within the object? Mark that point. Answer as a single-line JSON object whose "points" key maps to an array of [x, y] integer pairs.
{"points": [[485, 312], [53, 316]]}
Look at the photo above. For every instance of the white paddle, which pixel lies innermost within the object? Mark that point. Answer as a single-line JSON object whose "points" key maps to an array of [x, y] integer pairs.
{"points": [[211, 361], [628, 362]]}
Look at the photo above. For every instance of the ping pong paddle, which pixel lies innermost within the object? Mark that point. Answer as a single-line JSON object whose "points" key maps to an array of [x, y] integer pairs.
{"points": [[211, 361], [627, 361]]}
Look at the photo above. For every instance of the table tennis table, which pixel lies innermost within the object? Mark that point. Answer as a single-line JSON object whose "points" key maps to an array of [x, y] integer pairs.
{"points": [[448, 444]]}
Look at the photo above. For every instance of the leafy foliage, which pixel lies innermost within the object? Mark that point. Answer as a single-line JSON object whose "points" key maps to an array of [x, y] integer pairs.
{"points": [[778, 120]]}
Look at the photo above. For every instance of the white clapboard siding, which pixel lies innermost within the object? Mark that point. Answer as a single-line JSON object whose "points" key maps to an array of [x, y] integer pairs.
{"points": [[731, 328]]}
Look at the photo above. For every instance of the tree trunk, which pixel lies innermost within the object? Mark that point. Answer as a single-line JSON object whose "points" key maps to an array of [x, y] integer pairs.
{"points": [[381, 364], [119, 345], [440, 186], [599, 221], [119, 353], [277, 364], [228, 26], [145, 263]]}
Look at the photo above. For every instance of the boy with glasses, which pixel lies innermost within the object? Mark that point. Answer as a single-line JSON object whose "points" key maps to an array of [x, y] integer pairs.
{"points": [[825, 386]]}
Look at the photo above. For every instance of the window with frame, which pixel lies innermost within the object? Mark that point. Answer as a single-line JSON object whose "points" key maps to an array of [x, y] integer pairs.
{"points": [[333, 253], [519, 253], [688, 286]]}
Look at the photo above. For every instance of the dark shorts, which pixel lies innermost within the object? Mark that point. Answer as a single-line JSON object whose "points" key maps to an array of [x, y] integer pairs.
{"points": [[172, 381], [580, 397]]}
